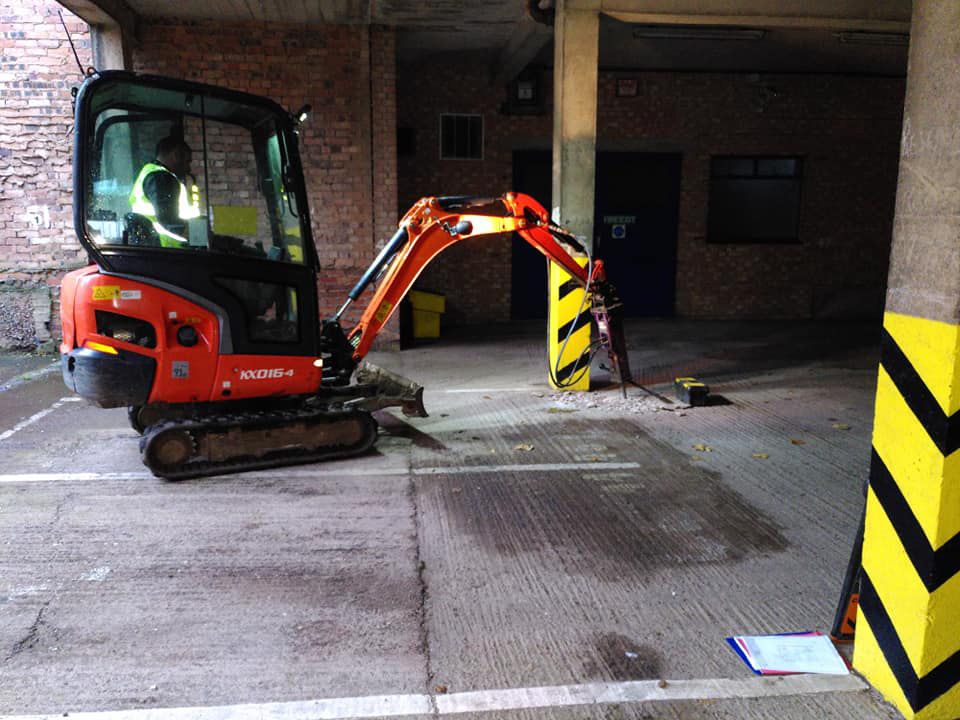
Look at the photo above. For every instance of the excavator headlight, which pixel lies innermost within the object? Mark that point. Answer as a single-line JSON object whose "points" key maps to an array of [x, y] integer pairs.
{"points": [[100, 347], [302, 114]]}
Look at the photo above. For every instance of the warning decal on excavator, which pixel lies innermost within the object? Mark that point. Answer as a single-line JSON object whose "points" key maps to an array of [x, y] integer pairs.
{"points": [[383, 311], [106, 292]]}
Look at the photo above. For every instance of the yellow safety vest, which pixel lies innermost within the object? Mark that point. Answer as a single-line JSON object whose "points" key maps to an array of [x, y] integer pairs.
{"points": [[140, 203]]}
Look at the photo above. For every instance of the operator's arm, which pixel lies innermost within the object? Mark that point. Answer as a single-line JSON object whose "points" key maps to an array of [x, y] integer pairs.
{"points": [[163, 191]]}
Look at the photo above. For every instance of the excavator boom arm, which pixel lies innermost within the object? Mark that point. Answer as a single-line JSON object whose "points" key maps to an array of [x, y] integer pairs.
{"points": [[434, 224]]}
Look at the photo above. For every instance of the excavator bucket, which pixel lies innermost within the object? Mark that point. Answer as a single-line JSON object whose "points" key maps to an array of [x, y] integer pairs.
{"points": [[392, 390]]}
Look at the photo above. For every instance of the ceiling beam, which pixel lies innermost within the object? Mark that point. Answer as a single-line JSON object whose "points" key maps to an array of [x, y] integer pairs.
{"points": [[875, 15], [772, 21], [109, 13], [527, 39]]}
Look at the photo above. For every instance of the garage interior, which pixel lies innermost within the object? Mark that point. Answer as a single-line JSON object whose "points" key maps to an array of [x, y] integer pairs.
{"points": [[773, 194]]}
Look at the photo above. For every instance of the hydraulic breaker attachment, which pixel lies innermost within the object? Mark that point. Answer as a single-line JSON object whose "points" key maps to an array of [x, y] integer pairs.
{"points": [[606, 313]]}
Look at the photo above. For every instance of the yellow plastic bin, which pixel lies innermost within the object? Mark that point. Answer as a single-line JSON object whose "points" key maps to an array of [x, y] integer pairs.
{"points": [[427, 308]]}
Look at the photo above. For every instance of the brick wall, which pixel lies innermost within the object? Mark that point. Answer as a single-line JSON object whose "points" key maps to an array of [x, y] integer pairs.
{"points": [[384, 135], [474, 274], [37, 243], [846, 128], [348, 145]]}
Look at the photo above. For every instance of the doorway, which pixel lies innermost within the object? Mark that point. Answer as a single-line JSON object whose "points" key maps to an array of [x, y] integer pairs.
{"points": [[636, 218]]}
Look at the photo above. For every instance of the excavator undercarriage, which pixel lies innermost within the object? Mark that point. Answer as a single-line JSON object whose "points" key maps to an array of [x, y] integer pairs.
{"points": [[181, 441]]}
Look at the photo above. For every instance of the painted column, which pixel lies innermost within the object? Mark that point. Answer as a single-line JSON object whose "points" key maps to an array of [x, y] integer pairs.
{"points": [[111, 48], [568, 340], [576, 42], [908, 632]]}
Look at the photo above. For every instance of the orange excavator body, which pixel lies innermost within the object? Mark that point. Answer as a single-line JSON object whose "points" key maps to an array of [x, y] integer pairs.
{"points": [[215, 344]]}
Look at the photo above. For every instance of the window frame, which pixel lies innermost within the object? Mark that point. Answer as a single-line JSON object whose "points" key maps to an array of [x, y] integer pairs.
{"points": [[479, 116], [796, 179]]}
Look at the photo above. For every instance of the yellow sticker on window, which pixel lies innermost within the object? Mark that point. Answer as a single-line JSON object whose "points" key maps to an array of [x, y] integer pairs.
{"points": [[383, 311], [106, 292], [234, 220]]}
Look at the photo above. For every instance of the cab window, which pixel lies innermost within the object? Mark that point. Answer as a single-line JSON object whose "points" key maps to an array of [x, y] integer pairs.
{"points": [[170, 171]]}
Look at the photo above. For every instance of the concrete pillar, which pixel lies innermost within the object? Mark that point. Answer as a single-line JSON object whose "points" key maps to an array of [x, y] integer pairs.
{"points": [[111, 49], [576, 39], [576, 42], [908, 632]]}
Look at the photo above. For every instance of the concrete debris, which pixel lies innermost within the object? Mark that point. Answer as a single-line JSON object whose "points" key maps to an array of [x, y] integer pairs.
{"points": [[611, 400]]}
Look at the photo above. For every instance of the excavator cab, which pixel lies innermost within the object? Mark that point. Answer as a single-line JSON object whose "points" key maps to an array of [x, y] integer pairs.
{"points": [[227, 229]]}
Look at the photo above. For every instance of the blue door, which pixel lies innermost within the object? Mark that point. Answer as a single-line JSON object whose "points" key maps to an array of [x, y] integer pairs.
{"points": [[635, 226]]}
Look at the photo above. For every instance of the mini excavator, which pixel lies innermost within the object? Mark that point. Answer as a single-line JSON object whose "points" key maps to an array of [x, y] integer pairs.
{"points": [[208, 332]]}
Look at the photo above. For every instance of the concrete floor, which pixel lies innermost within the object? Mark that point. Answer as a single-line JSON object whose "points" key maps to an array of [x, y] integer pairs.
{"points": [[578, 550]]}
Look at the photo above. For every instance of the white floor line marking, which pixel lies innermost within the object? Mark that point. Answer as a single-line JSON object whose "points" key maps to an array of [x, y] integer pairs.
{"points": [[542, 467], [336, 709], [384, 706], [333, 473], [29, 376], [32, 419], [644, 691], [457, 391], [71, 477]]}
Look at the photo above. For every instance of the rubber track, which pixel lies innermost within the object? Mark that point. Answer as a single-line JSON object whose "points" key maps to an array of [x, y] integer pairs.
{"points": [[255, 421]]}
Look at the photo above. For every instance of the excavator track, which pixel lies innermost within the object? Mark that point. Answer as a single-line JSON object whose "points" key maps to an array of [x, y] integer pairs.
{"points": [[180, 449]]}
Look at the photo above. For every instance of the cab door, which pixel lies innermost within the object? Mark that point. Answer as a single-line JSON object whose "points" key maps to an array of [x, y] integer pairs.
{"points": [[246, 252]]}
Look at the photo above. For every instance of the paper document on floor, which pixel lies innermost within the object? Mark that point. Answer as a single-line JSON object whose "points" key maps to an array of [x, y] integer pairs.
{"points": [[805, 652]]}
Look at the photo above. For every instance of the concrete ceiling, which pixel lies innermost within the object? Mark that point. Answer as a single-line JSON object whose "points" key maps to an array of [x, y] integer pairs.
{"points": [[426, 25], [500, 33]]}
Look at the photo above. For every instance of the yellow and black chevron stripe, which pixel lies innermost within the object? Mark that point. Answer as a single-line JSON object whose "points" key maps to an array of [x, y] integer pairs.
{"points": [[572, 372], [908, 636]]}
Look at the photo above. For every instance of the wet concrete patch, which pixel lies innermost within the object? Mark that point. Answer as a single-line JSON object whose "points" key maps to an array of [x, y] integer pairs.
{"points": [[622, 659], [611, 524]]}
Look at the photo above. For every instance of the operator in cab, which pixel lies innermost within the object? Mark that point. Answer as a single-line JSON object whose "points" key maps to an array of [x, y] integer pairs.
{"points": [[160, 192]]}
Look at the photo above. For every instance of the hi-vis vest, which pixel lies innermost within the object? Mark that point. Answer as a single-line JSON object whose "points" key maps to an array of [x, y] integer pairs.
{"points": [[140, 203]]}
